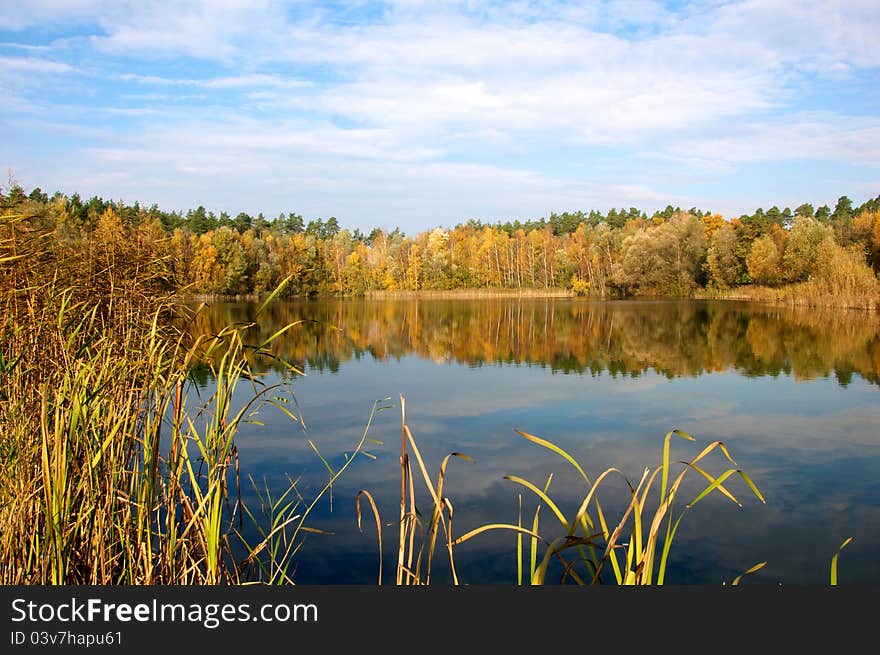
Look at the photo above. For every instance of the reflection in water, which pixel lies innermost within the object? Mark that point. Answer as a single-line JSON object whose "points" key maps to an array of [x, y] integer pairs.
{"points": [[473, 371], [624, 338]]}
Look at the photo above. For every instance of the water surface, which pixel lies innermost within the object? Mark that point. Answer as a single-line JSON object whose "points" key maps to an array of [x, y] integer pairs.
{"points": [[793, 393]]}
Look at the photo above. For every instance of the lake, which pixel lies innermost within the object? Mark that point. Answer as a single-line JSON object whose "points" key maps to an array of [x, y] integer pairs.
{"points": [[793, 393]]}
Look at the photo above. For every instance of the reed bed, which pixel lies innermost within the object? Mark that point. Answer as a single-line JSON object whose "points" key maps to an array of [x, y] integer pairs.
{"points": [[108, 473], [586, 546], [846, 284], [814, 293], [644, 537]]}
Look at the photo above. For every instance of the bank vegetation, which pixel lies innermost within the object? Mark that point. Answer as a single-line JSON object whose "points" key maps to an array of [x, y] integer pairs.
{"points": [[807, 256]]}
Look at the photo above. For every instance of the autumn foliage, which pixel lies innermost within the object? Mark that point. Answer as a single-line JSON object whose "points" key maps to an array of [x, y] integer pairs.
{"points": [[674, 253]]}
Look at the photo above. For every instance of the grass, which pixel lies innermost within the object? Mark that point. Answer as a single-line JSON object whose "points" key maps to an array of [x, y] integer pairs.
{"points": [[644, 534], [841, 280], [418, 541], [108, 475], [814, 293], [635, 549]]}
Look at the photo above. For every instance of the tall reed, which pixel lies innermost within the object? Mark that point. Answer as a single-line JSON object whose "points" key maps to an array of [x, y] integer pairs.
{"points": [[108, 475], [644, 534], [636, 547]]}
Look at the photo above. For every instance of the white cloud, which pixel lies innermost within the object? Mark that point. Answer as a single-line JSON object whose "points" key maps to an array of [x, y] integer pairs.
{"points": [[828, 36], [48, 12], [32, 66], [801, 136], [435, 93], [206, 29], [364, 177], [25, 46], [224, 82]]}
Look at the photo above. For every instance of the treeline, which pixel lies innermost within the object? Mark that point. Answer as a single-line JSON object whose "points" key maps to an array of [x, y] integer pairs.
{"points": [[673, 252]]}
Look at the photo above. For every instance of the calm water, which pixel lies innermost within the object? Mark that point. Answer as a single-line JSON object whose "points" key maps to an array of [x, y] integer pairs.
{"points": [[794, 394]]}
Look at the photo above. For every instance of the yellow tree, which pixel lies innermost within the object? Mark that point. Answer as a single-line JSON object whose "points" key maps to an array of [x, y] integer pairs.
{"points": [[763, 261], [489, 267], [338, 247], [721, 259], [712, 223], [207, 272], [541, 257], [463, 257], [267, 264], [436, 259], [414, 267], [519, 257], [357, 273], [802, 248], [292, 259], [379, 261], [779, 236], [232, 260], [866, 233], [183, 248]]}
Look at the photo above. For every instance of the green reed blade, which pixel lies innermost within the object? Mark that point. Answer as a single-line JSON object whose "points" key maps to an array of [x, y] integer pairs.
{"points": [[752, 485], [556, 449], [834, 560], [667, 544], [709, 477], [519, 544], [665, 461], [713, 485], [274, 293], [544, 497]]}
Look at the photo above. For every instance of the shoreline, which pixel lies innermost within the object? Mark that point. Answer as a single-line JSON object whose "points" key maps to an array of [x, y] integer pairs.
{"points": [[469, 293], [775, 296], [405, 294], [798, 295]]}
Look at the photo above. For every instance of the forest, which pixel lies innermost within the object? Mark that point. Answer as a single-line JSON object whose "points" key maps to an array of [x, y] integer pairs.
{"points": [[625, 252]]}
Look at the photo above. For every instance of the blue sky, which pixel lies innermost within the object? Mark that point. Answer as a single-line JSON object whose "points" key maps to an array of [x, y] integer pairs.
{"points": [[417, 114]]}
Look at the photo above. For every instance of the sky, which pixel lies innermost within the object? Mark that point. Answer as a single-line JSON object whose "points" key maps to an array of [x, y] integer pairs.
{"points": [[417, 114]]}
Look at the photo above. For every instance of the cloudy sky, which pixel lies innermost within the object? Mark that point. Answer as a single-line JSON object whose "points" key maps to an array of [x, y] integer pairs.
{"points": [[416, 114]]}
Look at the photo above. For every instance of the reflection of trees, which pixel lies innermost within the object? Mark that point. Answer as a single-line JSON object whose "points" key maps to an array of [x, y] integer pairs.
{"points": [[628, 338]]}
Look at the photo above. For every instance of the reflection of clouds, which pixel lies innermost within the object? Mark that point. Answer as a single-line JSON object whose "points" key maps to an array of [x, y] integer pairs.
{"points": [[716, 539], [796, 541], [812, 449], [843, 433]]}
